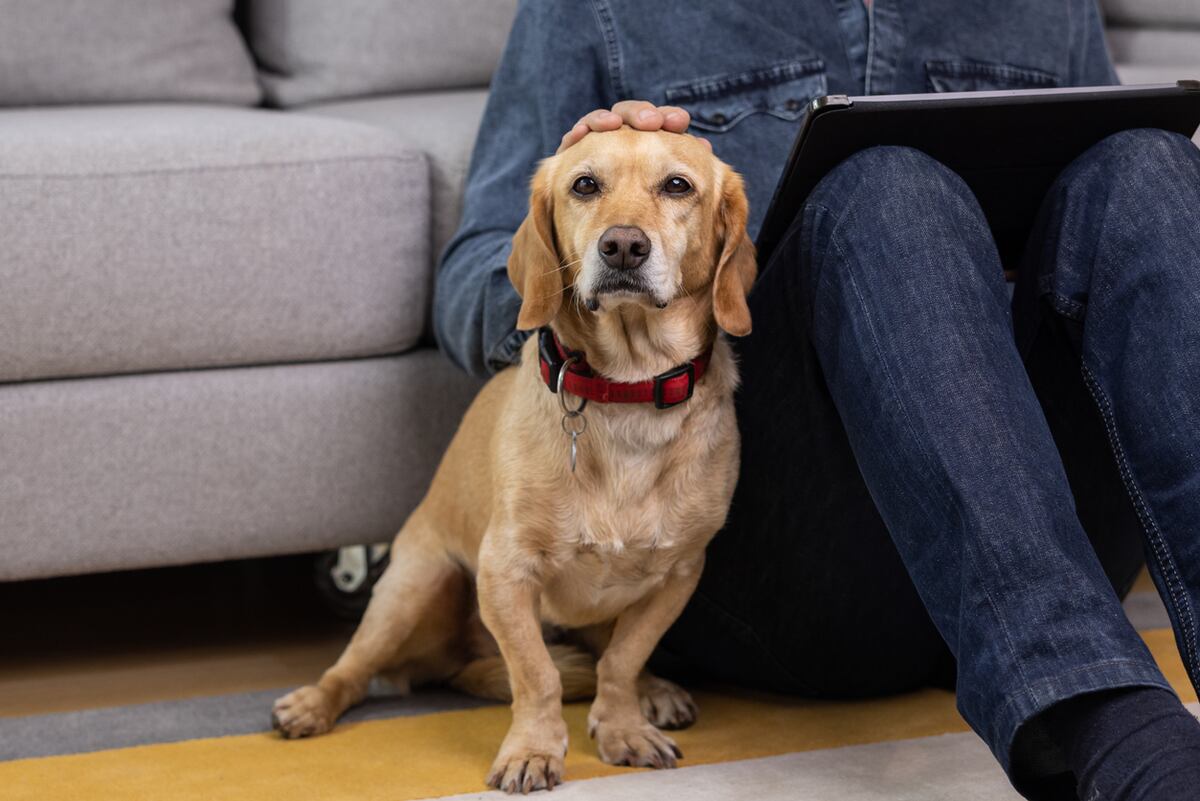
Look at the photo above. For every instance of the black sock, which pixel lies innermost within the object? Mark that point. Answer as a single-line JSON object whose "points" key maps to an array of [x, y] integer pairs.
{"points": [[1132, 744]]}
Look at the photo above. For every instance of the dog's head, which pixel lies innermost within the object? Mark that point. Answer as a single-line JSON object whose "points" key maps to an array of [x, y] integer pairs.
{"points": [[628, 217]]}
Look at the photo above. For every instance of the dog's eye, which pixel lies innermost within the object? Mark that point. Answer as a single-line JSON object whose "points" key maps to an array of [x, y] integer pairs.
{"points": [[585, 185], [676, 186]]}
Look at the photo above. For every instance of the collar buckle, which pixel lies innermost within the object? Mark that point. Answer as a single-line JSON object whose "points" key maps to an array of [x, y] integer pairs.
{"points": [[660, 382], [548, 350]]}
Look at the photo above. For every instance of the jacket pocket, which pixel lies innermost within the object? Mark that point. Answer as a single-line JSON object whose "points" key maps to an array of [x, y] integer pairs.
{"points": [[977, 76], [781, 90]]}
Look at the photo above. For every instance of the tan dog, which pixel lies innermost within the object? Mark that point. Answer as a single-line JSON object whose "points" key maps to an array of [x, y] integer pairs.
{"points": [[634, 252]]}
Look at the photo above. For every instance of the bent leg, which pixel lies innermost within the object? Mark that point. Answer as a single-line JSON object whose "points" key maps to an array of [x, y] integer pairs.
{"points": [[1116, 254], [912, 326], [803, 591], [421, 582]]}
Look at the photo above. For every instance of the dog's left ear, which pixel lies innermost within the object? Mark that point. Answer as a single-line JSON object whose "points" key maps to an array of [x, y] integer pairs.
{"points": [[534, 266], [737, 265]]}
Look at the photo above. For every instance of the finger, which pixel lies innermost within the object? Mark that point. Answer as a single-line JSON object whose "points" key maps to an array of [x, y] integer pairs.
{"points": [[577, 132], [675, 119], [599, 120], [639, 114], [602, 120]]}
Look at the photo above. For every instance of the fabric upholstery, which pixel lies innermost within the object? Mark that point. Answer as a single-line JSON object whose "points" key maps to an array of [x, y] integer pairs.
{"points": [[139, 238], [1163, 13], [442, 125], [312, 50], [1140, 73], [1157, 47], [114, 51], [170, 468]]}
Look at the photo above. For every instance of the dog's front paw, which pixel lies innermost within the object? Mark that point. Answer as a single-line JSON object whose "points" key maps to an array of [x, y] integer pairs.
{"points": [[665, 703], [303, 713], [636, 744], [530, 761]]}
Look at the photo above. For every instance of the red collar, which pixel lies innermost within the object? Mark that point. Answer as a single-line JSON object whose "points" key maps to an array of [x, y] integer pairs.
{"points": [[664, 390]]}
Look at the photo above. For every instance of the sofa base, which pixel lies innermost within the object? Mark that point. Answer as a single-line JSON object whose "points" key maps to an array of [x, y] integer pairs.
{"points": [[171, 468]]}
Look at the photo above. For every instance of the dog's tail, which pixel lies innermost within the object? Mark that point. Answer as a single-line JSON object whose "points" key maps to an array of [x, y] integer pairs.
{"points": [[487, 677]]}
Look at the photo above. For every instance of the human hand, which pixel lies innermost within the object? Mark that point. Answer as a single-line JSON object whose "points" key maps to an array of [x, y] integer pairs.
{"points": [[638, 114]]}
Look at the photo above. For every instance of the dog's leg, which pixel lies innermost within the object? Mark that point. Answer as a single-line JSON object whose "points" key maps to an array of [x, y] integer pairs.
{"points": [[663, 702], [623, 734], [419, 573], [531, 756]]}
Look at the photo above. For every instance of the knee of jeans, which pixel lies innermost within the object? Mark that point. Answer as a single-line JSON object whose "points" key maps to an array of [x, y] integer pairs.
{"points": [[881, 179], [1131, 161], [1142, 146], [883, 195]]}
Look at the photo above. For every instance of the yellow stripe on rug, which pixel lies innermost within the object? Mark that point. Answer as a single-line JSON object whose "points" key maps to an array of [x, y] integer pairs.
{"points": [[447, 753]]}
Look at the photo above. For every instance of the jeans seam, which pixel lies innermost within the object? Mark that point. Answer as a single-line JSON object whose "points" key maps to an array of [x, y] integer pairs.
{"points": [[612, 46], [1158, 545], [716, 86], [1088, 668], [1071, 309], [815, 279], [908, 423], [870, 65], [1139, 677]]}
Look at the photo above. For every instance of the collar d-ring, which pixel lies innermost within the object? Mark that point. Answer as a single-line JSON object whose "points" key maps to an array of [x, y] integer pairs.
{"points": [[562, 393]]}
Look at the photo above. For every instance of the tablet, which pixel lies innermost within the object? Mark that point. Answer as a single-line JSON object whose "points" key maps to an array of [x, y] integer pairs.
{"points": [[1008, 146]]}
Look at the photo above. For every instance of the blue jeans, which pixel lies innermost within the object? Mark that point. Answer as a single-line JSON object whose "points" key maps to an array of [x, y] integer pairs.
{"points": [[891, 388]]}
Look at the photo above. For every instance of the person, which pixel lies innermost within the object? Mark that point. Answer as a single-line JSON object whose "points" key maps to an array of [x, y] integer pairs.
{"points": [[919, 456]]}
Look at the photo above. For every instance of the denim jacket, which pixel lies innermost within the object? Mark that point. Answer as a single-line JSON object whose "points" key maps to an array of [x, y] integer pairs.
{"points": [[745, 70]]}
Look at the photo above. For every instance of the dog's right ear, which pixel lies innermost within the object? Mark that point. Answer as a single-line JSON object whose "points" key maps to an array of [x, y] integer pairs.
{"points": [[534, 266]]}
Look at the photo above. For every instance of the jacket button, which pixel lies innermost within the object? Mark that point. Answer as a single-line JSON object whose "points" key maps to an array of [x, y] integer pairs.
{"points": [[792, 104], [719, 119]]}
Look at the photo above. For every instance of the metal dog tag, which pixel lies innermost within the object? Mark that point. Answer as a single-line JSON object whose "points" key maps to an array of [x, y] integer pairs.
{"points": [[569, 426], [573, 430]]}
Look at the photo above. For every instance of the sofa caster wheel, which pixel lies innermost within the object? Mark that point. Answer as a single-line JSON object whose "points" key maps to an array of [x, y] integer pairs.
{"points": [[345, 577]]}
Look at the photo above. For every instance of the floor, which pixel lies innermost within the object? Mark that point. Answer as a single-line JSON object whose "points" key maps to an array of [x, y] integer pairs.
{"points": [[126, 684], [126, 638]]}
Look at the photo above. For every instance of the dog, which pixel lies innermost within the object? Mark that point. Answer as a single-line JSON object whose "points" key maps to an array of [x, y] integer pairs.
{"points": [[566, 526]]}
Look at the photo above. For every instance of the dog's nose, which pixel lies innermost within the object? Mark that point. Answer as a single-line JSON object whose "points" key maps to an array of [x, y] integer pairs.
{"points": [[624, 247]]}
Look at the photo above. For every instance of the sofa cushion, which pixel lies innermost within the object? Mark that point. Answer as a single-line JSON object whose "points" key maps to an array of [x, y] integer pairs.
{"points": [[1131, 74], [442, 125], [1154, 46], [119, 51], [141, 238], [1165, 13], [312, 50], [168, 468]]}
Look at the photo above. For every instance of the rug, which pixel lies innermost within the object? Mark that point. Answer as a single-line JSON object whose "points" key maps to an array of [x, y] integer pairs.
{"points": [[175, 739]]}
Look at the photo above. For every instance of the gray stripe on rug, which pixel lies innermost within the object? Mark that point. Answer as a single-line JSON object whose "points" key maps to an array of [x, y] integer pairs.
{"points": [[1145, 611], [948, 767], [188, 719]]}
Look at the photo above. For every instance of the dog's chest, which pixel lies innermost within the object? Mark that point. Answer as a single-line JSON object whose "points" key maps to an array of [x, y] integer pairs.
{"points": [[622, 537]]}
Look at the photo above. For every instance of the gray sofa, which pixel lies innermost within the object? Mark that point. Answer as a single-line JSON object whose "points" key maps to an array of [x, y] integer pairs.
{"points": [[217, 234], [214, 305]]}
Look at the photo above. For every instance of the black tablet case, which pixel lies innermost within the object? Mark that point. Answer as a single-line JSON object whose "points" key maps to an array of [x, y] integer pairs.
{"points": [[1008, 146]]}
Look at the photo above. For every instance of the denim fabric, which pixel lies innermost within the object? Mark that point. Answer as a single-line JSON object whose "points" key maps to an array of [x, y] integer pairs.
{"points": [[885, 365], [1116, 254], [746, 70]]}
